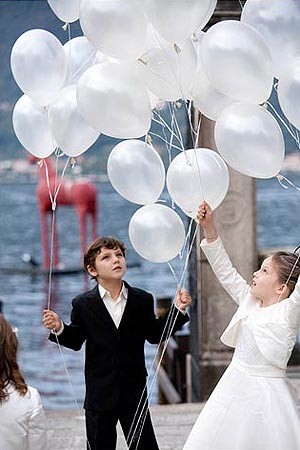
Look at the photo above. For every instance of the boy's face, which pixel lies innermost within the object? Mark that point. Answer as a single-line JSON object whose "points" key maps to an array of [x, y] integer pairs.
{"points": [[110, 265]]}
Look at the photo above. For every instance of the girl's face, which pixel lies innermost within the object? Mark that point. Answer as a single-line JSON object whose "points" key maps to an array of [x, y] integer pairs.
{"points": [[265, 285]]}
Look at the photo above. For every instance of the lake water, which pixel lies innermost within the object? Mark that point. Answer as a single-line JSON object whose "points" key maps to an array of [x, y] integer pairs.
{"points": [[24, 296]]}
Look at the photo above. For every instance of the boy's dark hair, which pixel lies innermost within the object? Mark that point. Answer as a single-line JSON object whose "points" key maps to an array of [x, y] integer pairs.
{"points": [[95, 248], [287, 268]]}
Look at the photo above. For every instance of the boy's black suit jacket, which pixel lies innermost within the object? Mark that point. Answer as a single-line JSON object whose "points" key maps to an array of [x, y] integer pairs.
{"points": [[114, 360]]}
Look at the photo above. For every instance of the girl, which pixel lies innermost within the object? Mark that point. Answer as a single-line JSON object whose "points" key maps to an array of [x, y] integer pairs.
{"points": [[22, 419], [251, 408]]}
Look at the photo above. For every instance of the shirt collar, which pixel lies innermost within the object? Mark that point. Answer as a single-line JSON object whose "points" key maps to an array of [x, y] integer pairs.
{"points": [[103, 291]]}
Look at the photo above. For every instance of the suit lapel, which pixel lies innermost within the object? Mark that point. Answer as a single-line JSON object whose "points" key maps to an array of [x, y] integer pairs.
{"points": [[99, 309], [130, 306]]}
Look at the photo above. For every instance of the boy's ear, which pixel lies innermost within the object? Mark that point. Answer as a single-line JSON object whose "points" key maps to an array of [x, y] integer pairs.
{"points": [[92, 271]]}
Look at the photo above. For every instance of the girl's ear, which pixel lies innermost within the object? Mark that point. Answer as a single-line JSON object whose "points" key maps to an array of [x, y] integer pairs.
{"points": [[283, 290]]}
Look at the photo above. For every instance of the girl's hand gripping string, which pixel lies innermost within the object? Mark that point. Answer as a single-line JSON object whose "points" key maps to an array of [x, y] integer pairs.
{"points": [[205, 218]]}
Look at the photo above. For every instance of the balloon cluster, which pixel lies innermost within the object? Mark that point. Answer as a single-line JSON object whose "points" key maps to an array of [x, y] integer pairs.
{"points": [[136, 53]]}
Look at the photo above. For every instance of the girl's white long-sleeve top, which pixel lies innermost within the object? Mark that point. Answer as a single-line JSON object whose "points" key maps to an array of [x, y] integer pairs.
{"points": [[22, 421], [274, 328]]}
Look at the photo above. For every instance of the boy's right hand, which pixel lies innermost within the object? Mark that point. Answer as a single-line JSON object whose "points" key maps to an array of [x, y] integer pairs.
{"points": [[206, 219], [51, 320]]}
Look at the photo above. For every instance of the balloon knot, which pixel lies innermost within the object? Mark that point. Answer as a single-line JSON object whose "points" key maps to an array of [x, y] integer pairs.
{"points": [[140, 60], [65, 26], [148, 139], [53, 206], [40, 163], [279, 177], [176, 48], [194, 37], [73, 162], [58, 152]]}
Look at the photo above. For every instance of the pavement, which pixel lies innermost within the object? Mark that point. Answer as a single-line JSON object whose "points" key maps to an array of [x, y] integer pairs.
{"points": [[172, 425]]}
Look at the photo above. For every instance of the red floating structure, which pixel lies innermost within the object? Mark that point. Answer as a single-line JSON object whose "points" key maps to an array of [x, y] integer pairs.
{"points": [[81, 194]]}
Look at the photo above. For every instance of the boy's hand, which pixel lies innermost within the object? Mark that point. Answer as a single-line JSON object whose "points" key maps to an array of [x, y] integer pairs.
{"points": [[52, 320], [205, 217], [183, 299]]}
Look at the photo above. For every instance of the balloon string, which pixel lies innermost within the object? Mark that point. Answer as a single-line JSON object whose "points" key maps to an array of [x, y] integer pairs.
{"points": [[61, 181], [186, 240], [281, 177], [132, 432], [164, 124], [284, 123], [171, 128], [177, 50], [193, 133], [170, 324], [53, 207], [51, 259], [175, 123], [164, 140], [69, 31], [41, 164], [70, 382], [53, 203], [241, 5]]}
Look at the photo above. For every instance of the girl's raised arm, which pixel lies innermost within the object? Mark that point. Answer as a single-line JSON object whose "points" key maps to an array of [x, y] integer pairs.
{"points": [[218, 258]]}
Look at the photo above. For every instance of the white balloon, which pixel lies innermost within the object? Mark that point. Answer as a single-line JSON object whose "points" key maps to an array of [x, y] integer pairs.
{"points": [[30, 123], [208, 99], [144, 169], [100, 58], [176, 20], [70, 130], [289, 93], [66, 10], [168, 72], [116, 28], [80, 54], [279, 23], [197, 39], [156, 233], [250, 140], [38, 65], [196, 175], [154, 100], [237, 61], [112, 100]]}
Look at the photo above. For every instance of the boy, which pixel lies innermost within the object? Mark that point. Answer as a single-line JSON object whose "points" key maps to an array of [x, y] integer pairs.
{"points": [[114, 319]]}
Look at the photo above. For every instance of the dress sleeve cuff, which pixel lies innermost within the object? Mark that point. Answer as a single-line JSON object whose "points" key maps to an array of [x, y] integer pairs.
{"points": [[214, 244]]}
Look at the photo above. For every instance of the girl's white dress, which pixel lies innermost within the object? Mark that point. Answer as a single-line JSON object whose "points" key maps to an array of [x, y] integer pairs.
{"points": [[22, 421], [251, 408]]}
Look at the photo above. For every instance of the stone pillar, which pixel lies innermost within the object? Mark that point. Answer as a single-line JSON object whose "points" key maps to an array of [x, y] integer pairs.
{"points": [[213, 308]]}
